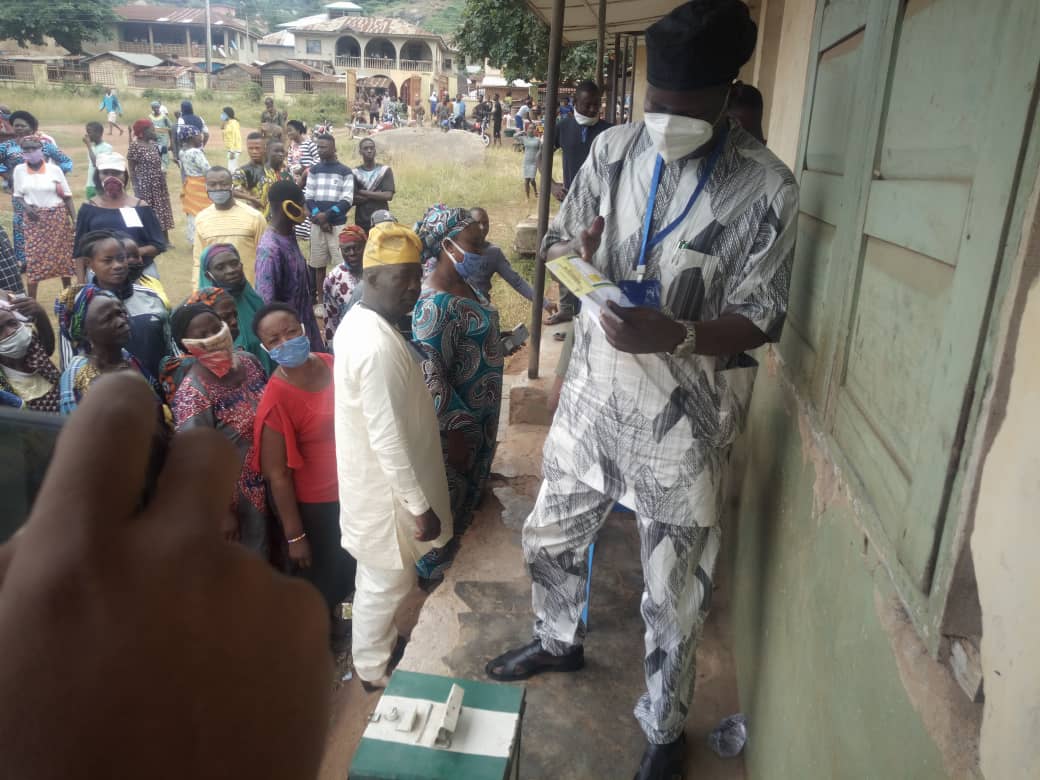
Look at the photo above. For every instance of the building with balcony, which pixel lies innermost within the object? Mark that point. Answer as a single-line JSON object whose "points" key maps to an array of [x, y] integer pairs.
{"points": [[388, 55], [174, 31]]}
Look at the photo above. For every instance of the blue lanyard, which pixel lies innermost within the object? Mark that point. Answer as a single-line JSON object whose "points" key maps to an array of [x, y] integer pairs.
{"points": [[649, 242]]}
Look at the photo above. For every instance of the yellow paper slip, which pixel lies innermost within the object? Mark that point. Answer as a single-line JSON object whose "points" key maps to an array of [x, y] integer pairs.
{"points": [[578, 276]]}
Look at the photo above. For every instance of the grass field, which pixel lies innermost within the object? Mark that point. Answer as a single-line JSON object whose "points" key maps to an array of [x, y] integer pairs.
{"points": [[429, 168]]}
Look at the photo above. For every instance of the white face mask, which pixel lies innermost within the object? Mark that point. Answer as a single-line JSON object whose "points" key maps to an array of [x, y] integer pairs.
{"points": [[585, 121], [676, 136], [17, 344]]}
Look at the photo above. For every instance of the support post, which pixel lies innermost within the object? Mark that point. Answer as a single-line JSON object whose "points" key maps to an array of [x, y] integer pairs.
{"points": [[601, 43], [624, 82], [209, 41], [552, 88], [151, 40], [615, 63]]}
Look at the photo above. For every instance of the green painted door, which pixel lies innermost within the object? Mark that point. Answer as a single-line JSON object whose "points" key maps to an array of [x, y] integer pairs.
{"points": [[917, 117]]}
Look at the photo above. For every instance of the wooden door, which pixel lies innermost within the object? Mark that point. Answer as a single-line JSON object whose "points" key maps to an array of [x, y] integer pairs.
{"points": [[917, 118]]}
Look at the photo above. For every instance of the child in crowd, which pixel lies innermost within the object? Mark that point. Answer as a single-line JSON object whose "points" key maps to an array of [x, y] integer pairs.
{"points": [[95, 143]]}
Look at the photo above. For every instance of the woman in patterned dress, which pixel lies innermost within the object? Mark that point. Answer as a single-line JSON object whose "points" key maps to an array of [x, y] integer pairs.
{"points": [[222, 390], [25, 125], [457, 329], [300, 154], [145, 163], [96, 323], [43, 194], [28, 377]]}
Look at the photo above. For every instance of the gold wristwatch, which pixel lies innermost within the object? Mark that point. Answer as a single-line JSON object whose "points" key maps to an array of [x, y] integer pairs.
{"points": [[688, 345]]}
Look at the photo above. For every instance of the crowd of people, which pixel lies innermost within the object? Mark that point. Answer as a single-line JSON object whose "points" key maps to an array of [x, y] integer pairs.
{"points": [[250, 353], [360, 386]]}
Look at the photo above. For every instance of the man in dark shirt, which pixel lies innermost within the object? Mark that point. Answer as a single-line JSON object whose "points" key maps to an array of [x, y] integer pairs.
{"points": [[496, 121], [574, 135]]}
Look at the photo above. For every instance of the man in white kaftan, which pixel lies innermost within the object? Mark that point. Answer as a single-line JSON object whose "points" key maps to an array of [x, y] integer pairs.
{"points": [[394, 504]]}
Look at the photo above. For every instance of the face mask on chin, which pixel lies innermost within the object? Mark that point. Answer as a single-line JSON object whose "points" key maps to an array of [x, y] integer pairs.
{"points": [[134, 272], [676, 136], [34, 157], [585, 121]]}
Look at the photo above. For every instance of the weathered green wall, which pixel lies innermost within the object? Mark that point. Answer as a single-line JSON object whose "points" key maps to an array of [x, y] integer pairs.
{"points": [[817, 674]]}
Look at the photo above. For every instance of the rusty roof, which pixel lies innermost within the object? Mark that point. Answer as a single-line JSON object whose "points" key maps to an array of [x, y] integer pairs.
{"points": [[170, 14], [302, 67], [369, 25]]}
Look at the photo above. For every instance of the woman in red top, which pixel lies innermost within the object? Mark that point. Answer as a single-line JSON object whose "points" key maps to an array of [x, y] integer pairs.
{"points": [[297, 456]]}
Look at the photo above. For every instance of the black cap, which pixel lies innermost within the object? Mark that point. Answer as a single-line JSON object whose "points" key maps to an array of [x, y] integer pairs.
{"points": [[702, 43]]}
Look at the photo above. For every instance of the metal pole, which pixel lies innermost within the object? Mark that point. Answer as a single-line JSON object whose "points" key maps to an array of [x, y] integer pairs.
{"points": [[209, 44], [624, 83], [601, 43], [615, 61], [552, 87]]}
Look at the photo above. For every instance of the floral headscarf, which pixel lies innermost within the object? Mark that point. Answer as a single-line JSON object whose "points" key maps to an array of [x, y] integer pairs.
{"points": [[439, 223], [208, 296], [352, 234], [71, 311], [185, 132]]}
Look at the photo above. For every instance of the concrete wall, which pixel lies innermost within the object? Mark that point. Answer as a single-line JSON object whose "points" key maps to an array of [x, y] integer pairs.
{"points": [[1007, 536], [818, 673]]}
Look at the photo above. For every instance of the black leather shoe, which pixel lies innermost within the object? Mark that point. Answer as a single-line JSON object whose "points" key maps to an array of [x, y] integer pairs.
{"points": [[529, 660], [663, 762]]}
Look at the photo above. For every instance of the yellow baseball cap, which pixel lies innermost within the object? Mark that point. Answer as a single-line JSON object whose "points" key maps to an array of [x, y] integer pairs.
{"points": [[390, 243]]}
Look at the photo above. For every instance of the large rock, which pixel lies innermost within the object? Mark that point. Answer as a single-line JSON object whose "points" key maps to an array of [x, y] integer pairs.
{"points": [[526, 241]]}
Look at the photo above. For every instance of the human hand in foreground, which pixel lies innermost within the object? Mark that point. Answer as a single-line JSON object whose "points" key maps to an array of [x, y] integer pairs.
{"points": [[559, 191], [640, 329], [428, 526], [138, 642]]}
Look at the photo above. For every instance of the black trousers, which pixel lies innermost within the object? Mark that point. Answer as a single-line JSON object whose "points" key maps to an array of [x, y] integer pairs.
{"points": [[332, 568]]}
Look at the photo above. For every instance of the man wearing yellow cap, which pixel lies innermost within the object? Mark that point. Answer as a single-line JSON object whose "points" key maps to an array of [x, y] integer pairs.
{"points": [[394, 505]]}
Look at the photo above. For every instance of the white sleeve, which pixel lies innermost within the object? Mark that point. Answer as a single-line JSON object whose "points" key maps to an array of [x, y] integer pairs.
{"points": [[384, 401]]}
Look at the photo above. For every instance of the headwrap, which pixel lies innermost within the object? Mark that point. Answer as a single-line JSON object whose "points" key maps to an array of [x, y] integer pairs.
{"points": [[212, 251], [209, 296], [438, 223], [391, 244], [183, 315], [140, 126], [71, 311], [322, 128], [702, 43], [352, 234], [187, 131]]}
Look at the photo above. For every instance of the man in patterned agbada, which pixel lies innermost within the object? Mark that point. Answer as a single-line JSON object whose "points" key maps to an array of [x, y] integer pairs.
{"points": [[695, 220]]}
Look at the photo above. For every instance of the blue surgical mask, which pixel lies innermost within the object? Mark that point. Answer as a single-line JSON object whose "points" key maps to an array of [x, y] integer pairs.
{"points": [[223, 117], [470, 262], [292, 353]]}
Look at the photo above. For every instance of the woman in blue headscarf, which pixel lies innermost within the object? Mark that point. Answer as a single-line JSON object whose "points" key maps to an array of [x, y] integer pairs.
{"points": [[457, 329]]}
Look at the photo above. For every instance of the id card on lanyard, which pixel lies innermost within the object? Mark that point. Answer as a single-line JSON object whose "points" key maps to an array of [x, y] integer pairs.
{"points": [[647, 292]]}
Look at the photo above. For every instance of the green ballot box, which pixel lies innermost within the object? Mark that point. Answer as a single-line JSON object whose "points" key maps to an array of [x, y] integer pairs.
{"points": [[427, 727]]}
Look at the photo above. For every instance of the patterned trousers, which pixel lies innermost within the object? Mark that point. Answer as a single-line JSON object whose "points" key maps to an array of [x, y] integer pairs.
{"points": [[677, 564]]}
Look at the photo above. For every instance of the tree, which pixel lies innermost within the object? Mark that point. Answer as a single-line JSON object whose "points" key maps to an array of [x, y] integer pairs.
{"points": [[68, 22], [511, 37]]}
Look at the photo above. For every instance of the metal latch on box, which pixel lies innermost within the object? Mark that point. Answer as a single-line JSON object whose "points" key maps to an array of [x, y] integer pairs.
{"points": [[428, 723]]}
